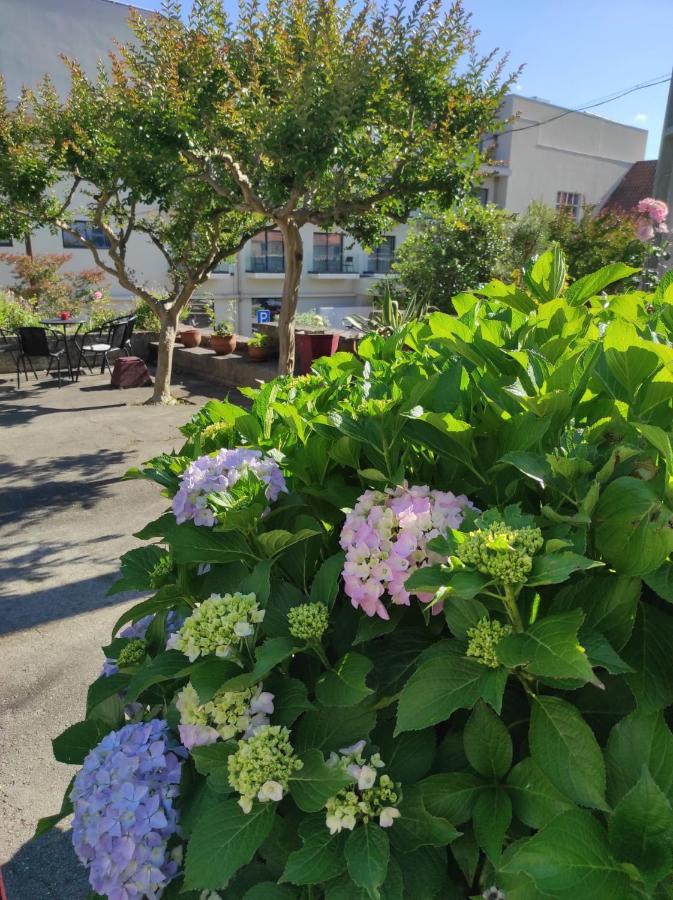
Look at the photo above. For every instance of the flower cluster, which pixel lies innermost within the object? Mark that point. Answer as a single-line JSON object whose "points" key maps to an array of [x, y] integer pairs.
{"points": [[308, 621], [210, 474], [503, 552], [160, 573], [132, 654], [137, 631], [483, 639], [216, 429], [227, 715], [262, 766], [385, 538], [652, 218], [367, 798], [217, 626], [124, 816]]}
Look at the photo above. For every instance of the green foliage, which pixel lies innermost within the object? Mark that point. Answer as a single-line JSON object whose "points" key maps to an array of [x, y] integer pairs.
{"points": [[519, 709]]}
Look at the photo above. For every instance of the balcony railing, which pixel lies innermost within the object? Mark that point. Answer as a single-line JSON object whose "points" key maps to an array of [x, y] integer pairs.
{"points": [[271, 265], [322, 266]]}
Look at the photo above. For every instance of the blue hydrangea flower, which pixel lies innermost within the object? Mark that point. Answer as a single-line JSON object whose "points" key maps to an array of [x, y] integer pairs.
{"points": [[124, 816], [137, 631], [210, 474]]}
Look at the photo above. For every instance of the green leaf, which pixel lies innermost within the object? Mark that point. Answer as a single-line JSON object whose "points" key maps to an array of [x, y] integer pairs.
{"points": [[462, 614], [535, 800], [416, 827], [193, 544], [445, 682], [409, 756], [641, 739], [290, 700], [313, 784], [641, 829], [267, 656], [532, 465], [224, 838], [164, 667], [325, 585], [258, 582], [424, 872], [330, 728], [632, 526], [594, 283], [136, 566], [649, 653], [491, 818], [320, 858], [601, 653], [273, 543], [661, 581], [168, 597], [549, 648], [566, 750], [104, 687], [212, 760], [208, 675], [569, 859], [269, 890], [553, 568], [344, 685], [367, 855], [488, 745], [451, 795], [545, 276], [73, 745]]}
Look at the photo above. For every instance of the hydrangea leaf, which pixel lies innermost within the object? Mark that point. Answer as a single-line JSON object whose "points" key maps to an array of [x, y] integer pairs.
{"points": [[313, 784], [649, 653], [224, 839], [570, 859], [424, 872], [488, 745], [136, 566], [164, 667], [491, 817], [640, 739], [367, 855], [535, 800], [345, 685], [72, 745], [319, 859], [273, 543], [566, 750], [329, 728], [641, 828], [325, 585], [416, 827], [549, 648], [554, 568], [409, 756], [452, 795], [444, 682], [211, 760], [290, 699], [267, 656]]}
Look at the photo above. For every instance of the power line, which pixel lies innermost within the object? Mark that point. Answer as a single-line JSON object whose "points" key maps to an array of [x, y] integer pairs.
{"points": [[567, 112]]}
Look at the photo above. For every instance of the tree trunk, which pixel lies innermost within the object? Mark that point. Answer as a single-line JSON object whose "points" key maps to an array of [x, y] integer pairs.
{"points": [[162, 378], [294, 258]]}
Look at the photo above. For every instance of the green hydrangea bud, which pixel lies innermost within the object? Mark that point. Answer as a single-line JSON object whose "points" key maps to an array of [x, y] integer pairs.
{"points": [[132, 654], [262, 766], [161, 571], [216, 430], [308, 621], [483, 639], [504, 553], [218, 625]]}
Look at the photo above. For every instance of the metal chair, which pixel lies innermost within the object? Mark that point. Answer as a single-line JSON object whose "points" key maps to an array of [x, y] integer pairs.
{"points": [[100, 342], [34, 342], [8, 344]]}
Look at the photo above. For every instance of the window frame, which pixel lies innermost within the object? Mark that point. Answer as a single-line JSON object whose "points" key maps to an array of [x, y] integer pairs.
{"points": [[379, 263], [262, 240], [318, 264], [573, 208]]}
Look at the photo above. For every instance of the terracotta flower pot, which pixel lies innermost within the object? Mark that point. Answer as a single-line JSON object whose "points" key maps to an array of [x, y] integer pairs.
{"points": [[191, 337], [222, 344], [257, 354], [312, 346]]}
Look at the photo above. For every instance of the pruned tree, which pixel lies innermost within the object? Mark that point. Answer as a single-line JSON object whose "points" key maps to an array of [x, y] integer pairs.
{"points": [[97, 155], [316, 111]]}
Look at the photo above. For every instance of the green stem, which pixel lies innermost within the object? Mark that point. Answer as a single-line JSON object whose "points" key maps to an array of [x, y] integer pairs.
{"points": [[509, 600], [316, 646]]}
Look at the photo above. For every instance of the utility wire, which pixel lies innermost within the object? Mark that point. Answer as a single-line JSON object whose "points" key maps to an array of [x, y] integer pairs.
{"points": [[567, 112]]}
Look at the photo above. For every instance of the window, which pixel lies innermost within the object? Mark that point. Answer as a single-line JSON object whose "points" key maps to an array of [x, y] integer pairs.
{"points": [[481, 193], [226, 266], [266, 252], [569, 203], [5, 241], [95, 236], [328, 250], [380, 259]]}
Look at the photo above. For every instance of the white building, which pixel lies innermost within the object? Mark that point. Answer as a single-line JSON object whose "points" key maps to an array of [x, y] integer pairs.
{"points": [[337, 271], [562, 158]]}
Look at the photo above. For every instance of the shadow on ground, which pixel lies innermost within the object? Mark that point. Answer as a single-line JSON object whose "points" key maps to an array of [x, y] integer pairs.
{"points": [[46, 869]]}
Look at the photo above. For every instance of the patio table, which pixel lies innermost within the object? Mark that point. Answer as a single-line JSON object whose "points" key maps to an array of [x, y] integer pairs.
{"points": [[58, 322]]}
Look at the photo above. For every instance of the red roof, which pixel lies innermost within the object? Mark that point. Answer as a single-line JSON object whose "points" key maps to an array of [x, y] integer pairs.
{"points": [[636, 184]]}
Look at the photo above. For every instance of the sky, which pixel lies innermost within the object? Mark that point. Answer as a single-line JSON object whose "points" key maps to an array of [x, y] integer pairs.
{"points": [[578, 51]]}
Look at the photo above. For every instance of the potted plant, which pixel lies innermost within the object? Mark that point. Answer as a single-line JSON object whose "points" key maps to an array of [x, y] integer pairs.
{"points": [[223, 339], [312, 340], [258, 346], [190, 337]]}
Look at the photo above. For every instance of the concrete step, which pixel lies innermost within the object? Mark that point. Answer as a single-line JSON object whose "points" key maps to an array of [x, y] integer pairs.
{"points": [[235, 369]]}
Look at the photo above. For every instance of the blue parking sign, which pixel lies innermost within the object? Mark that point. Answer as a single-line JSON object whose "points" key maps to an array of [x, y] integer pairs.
{"points": [[263, 315]]}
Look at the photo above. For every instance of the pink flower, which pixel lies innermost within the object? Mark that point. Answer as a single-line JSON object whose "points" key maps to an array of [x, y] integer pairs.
{"points": [[657, 210], [97, 295], [644, 231]]}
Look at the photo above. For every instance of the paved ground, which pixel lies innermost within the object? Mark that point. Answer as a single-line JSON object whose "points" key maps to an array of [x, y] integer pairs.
{"points": [[65, 518]]}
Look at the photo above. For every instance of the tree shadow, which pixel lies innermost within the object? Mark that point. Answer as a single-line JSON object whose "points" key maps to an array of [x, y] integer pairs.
{"points": [[46, 868]]}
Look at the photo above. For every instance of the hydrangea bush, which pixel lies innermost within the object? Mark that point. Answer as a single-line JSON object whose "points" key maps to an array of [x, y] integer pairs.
{"points": [[406, 628]]}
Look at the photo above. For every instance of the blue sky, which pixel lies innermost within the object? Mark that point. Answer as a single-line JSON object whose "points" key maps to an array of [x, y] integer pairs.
{"points": [[577, 51]]}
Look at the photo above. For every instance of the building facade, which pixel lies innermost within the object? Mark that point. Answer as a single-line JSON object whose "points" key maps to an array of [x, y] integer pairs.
{"points": [[563, 159]]}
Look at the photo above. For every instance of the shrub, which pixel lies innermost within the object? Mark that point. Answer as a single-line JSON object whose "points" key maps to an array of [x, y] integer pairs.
{"points": [[15, 312], [40, 281], [427, 599]]}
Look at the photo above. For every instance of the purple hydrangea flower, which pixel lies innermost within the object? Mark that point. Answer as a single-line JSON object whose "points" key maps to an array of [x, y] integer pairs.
{"points": [[124, 816], [210, 474], [138, 630]]}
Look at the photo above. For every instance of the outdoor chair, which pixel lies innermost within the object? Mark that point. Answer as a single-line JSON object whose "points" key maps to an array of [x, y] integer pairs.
{"points": [[8, 345], [33, 343], [112, 336]]}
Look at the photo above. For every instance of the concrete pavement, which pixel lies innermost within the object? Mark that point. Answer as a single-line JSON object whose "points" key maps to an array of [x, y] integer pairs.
{"points": [[65, 518]]}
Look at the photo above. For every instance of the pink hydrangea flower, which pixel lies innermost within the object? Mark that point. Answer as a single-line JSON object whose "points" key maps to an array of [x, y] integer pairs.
{"points": [[645, 230], [653, 214], [385, 538]]}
